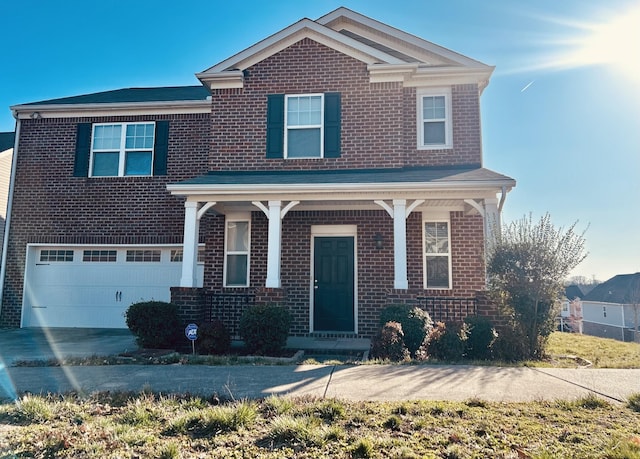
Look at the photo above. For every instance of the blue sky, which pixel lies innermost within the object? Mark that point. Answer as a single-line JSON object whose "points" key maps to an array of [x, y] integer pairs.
{"points": [[561, 114]]}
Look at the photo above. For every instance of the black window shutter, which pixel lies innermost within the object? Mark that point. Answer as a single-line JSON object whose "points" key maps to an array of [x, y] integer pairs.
{"points": [[275, 126], [83, 145], [332, 125], [161, 148]]}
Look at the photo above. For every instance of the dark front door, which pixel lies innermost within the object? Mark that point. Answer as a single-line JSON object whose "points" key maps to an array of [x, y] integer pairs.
{"points": [[333, 284]]}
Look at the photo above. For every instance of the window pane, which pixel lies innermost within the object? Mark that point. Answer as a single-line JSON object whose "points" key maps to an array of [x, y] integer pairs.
{"points": [[438, 272], [105, 164], [436, 237], [237, 270], [238, 236], [139, 136], [138, 163], [433, 108], [304, 111], [107, 137], [434, 133], [303, 143]]}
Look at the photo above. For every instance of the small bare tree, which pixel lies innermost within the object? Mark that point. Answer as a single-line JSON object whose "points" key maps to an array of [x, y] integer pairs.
{"points": [[526, 268]]}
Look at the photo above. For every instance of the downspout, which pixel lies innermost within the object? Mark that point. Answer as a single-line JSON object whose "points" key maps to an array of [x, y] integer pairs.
{"points": [[503, 197], [5, 242]]}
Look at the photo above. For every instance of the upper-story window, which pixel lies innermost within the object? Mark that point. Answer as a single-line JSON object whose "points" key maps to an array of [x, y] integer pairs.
{"points": [[305, 128], [434, 119], [303, 125], [122, 149]]}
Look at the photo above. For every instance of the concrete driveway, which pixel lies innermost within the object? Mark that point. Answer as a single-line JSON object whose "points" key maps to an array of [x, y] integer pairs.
{"points": [[45, 344]]}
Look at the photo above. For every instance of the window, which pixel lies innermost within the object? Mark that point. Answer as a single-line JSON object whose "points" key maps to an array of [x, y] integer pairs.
{"points": [[177, 255], [99, 256], [434, 120], [303, 126], [122, 149], [236, 260], [143, 256], [303, 121], [437, 255], [56, 255]]}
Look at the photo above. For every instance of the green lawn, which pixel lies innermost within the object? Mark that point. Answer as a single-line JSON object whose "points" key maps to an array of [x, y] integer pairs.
{"points": [[601, 352], [124, 425]]}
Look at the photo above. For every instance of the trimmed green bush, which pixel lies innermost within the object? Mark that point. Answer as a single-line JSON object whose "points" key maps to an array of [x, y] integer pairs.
{"points": [[480, 337], [265, 328], [213, 338], [447, 341], [154, 323], [416, 324], [388, 343], [511, 344]]}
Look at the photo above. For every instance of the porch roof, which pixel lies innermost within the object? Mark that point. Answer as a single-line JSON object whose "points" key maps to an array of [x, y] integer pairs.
{"points": [[345, 180], [473, 175]]}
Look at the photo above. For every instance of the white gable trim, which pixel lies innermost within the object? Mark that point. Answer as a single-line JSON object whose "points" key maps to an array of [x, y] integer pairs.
{"points": [[336, 18], [304, 28]]}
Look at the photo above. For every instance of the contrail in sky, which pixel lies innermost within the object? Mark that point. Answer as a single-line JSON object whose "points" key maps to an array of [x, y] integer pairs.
{"points": [[527, 86]]}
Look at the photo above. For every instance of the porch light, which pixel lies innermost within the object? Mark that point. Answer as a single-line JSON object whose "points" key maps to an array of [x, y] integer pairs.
{"points": [[379, 241]]}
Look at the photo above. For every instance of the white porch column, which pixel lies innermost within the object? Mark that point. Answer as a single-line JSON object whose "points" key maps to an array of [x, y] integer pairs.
{"points": [[190, 245], [275, 245], [400, 244], [491, 221]]}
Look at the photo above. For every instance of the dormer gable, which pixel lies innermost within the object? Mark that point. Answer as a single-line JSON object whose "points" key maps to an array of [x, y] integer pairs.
{"points": [[390, 54]]}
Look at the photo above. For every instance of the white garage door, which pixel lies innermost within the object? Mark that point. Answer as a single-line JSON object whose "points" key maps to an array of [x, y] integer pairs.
{"points": [[92, 287]]}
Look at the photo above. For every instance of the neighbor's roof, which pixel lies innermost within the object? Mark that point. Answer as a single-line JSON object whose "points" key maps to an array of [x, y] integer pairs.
{"points": [[623, 289], [7, 140], [444, 175], [132, 95], [572, 292]]}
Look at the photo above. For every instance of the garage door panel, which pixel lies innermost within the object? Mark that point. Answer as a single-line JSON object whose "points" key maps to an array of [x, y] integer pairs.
{"points": [[93, 294]]}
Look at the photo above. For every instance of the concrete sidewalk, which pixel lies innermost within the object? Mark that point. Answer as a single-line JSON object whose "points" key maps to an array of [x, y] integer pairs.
{"points": [[359, 382], [352, 382]]}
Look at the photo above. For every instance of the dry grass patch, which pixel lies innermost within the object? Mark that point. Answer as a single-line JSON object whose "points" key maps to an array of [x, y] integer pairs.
{"points": [[129, 425]]}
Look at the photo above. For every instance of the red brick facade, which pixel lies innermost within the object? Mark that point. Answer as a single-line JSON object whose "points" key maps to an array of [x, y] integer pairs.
{"points": [[379, 130]]}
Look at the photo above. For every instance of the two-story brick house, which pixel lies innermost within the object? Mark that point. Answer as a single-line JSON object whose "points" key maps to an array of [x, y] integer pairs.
{"points": [[334, 167]]}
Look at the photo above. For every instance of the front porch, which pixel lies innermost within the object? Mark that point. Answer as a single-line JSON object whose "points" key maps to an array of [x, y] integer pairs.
{"points": [[199, 305]]}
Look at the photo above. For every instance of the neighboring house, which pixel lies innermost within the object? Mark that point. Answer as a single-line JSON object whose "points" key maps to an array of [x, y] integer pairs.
{"points": [[7, 140], [334, 167], [612, 309], [571, 314]]}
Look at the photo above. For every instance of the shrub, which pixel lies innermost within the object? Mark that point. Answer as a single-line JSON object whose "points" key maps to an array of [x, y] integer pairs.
{"points": [[154, 323], [633, 402], [447, 341], [265, 328], [511, 344], [480, 337], [213, 338], [388, 344], [416, 324]]}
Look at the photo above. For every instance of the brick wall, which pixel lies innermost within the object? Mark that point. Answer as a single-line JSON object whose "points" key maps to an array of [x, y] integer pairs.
{"points": [[52, 206], [379, 125], [375, 267]]}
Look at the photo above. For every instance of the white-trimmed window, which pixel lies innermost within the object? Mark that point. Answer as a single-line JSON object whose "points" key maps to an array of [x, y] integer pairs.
{"points": [[236, 251], [304, 127], [122, 149], [434, 119], [437, 254]]}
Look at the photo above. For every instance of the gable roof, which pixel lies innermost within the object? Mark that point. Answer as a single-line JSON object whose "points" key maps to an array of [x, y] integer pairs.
{"points": [[390, 54], [572, 292], [7, 140], [623, 289]]}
